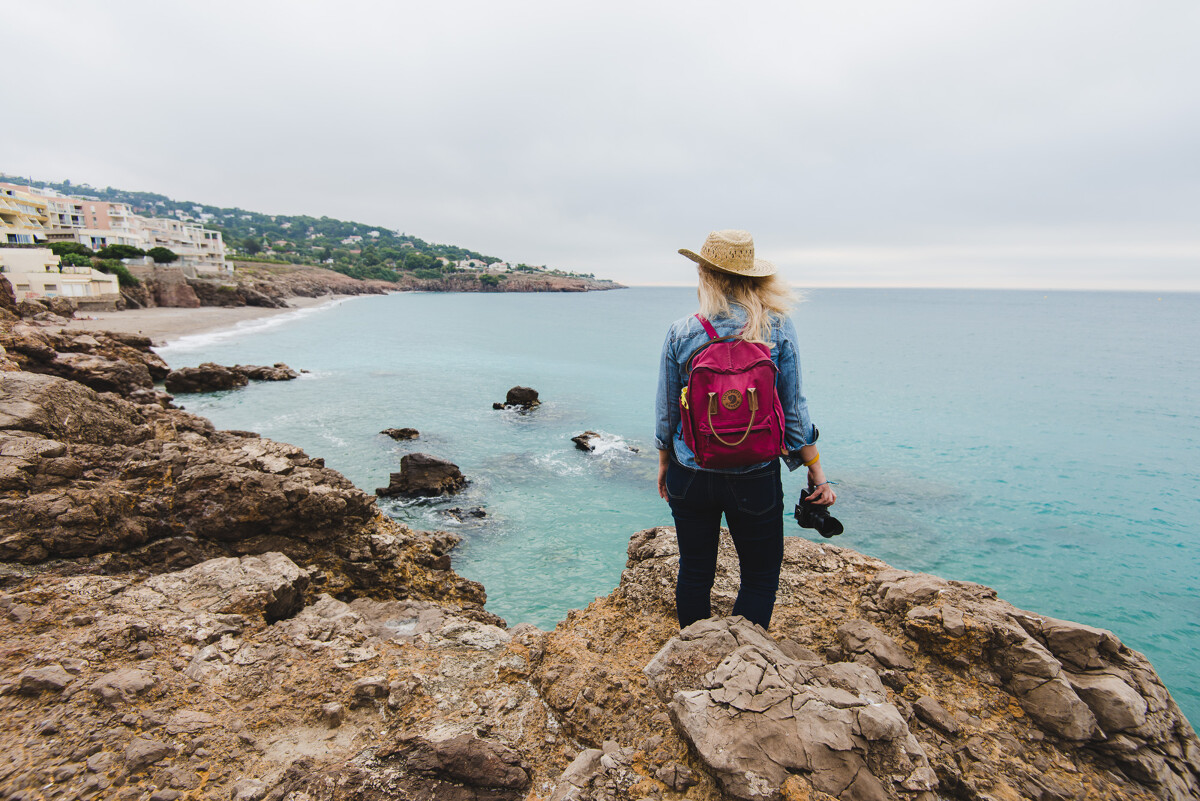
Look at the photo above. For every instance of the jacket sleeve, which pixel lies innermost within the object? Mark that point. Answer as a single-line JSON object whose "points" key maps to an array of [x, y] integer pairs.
{"points": [[798, 428], [667, 399]]}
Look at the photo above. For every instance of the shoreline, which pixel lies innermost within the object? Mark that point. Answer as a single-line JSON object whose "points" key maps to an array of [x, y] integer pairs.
{"points": [[167, 324]]}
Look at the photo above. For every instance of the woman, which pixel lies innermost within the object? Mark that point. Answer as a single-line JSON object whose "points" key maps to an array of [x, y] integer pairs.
{"points": [[740, 296]]}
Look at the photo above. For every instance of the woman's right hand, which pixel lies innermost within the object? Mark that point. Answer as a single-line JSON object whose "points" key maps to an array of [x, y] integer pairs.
{"points": [[663, 461]]}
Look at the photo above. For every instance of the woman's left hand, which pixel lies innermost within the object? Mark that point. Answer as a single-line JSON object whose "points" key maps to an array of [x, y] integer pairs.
{"points": [[823, 493]]}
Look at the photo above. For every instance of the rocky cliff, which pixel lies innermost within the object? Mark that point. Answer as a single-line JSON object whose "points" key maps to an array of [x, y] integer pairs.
{"points": [[270, 285], [193, 613]]}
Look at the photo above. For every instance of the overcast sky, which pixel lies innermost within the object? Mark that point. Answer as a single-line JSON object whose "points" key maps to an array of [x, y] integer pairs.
{"points": [[1040, 144]]}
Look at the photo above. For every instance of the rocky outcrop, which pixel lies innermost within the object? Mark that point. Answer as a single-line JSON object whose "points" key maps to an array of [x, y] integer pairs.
{"points": [[212, 377], [851, 696], [105, 361], [113, 485], [422, 475], [164, 286], [523, 398], [401, 433]]}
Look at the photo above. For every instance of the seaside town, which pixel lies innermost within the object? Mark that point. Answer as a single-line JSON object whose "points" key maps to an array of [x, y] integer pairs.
{"points": [[102, 254], [32, 221]]}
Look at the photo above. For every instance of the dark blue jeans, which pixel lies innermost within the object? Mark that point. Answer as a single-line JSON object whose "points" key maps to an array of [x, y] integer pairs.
{"points": [[753, 507]]}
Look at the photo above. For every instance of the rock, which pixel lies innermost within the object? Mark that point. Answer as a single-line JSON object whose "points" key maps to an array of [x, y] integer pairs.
{"points": [[208, 377], [865, 639], [166, 795], [1116, 705], [101, 762], [122, 685], [523, 398], [592, 441], [586, 440], [66, 411], [143, 752], [472, 761], [277, 372], [677, 777], [422, 475], [51, 677], [933, 713], [332, 714], [270, 585], [760, 715], [189, 721], [368, 689], [460, 515], [249, 790], [401, 433]]}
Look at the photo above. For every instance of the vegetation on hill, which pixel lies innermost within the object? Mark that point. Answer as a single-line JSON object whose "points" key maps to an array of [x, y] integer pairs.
{"points": [[352, 248]]}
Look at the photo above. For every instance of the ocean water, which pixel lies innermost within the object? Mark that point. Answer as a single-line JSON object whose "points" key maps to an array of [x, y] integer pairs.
{"points": [[1041, 443]]}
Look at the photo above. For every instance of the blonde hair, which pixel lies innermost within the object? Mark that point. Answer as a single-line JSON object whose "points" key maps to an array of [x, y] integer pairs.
{"points": [[765, 300]]}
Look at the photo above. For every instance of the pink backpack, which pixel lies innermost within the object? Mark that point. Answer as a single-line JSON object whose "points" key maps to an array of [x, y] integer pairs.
{"points": [[731, 412]]}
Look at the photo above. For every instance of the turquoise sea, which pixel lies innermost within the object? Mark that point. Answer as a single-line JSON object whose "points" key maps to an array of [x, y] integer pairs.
{"points": [[1043, 443]]}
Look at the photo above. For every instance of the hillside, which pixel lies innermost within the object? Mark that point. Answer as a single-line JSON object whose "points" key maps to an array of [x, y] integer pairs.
{"points": [[352, 248]]}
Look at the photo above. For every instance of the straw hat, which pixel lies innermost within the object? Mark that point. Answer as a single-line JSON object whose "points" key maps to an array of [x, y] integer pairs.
{"points": [[731, 252]]}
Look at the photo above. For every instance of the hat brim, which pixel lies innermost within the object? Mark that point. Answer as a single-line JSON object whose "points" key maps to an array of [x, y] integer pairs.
{"points": [[762, 268]]}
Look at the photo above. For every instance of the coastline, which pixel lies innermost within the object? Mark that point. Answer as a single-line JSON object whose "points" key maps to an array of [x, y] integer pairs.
{"points": [[165, 324]]}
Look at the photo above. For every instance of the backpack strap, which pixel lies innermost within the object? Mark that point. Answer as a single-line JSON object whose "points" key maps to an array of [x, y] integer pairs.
{"points": [[708, 327]]}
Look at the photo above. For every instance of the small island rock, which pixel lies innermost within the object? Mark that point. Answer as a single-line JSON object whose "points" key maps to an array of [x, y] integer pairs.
{"points": [[523, 398], [422, 475], [401, 433]]}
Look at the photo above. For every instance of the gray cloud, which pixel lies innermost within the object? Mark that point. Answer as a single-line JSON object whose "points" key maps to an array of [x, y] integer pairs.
{"points": [[940, 143]]}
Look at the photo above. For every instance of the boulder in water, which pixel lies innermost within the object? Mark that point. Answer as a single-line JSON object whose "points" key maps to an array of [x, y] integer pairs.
{"points": [[422, 475], [401, 433], [523, 398]]}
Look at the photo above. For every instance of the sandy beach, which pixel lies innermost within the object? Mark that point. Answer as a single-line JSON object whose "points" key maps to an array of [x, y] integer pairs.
{"points": [[164, 324]]}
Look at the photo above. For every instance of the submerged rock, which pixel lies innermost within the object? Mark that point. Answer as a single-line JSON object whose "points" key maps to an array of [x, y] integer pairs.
{"points": [[422, 475], [401, 433], [524, 398]]}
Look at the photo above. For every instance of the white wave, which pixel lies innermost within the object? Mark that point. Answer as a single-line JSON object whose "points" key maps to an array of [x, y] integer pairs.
{"points": [[242, 329]]}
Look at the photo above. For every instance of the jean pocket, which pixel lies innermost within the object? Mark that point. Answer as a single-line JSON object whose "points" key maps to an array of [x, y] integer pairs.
{"points": [[679, 481], [757, 496]]}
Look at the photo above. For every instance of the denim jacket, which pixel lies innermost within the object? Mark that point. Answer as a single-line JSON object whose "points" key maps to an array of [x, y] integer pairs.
{"points": [[683, 338]]}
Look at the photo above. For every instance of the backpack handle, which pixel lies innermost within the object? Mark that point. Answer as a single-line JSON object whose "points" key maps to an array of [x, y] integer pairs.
{"points": [[712, 407]]}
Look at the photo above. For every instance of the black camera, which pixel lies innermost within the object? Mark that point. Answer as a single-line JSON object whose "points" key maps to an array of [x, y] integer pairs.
{"points": [[815, 516]]}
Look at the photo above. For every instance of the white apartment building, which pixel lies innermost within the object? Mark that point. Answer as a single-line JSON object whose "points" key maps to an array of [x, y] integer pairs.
{"points": [[199, 248], [94, 223], [37, 273], [23, 216]]}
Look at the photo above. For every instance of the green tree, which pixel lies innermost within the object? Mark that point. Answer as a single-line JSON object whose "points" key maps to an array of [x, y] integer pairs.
{"points": [[162, 255], [120, 252], [114, 267], [252, 245], [76, 260], [489, 281], [63, 248]]}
